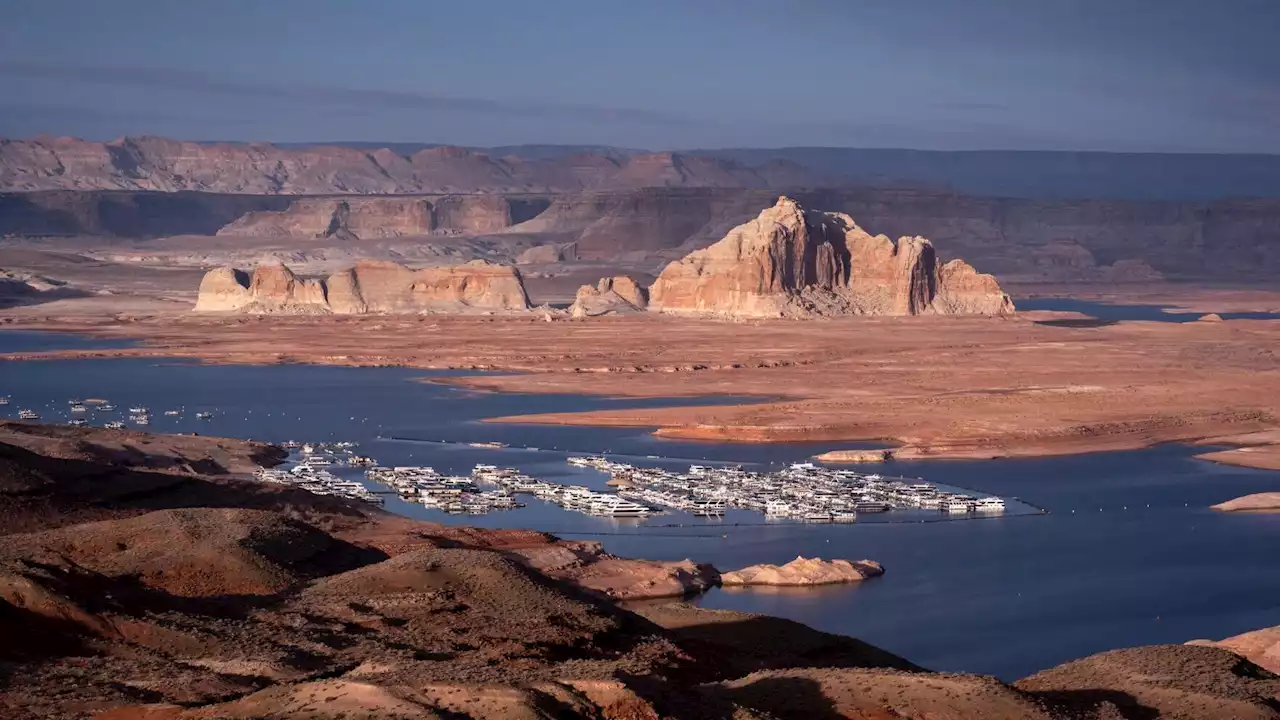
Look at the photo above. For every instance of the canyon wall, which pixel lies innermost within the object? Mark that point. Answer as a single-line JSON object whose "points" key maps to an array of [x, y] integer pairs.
{"points": [[152, 163], [1019, 239], [356, 218], [370, 286], [793, 262]]}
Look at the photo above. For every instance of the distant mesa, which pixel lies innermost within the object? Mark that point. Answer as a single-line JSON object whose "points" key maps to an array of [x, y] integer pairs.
{"points": [[371, 286], [163, 165], [804, 571], [793, 262]]}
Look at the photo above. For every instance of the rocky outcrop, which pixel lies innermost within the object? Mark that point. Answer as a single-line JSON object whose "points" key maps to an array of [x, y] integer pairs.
{"points": [[612, 295], [23, 288], [369, 287], [224, 289], [804, 571], [588, 566], [1261, 647], [1268, 502], [792, 262], [548, 254]]}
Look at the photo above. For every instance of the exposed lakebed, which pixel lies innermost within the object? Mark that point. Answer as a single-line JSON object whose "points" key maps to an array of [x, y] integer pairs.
{"points": [[1129, 555]]}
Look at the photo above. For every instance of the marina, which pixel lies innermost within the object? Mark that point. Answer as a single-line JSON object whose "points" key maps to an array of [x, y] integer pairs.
{"points": [[802, 492], [987, 575]]}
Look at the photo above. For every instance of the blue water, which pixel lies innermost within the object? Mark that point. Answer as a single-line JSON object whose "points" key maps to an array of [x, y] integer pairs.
{"points": [[1129, 554], [12, 341], [1120, 313]]}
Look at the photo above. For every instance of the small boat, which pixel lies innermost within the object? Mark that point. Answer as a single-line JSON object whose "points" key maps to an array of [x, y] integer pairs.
{"points": [[114, 425], [28, 415], [79, 408], [4, 399], [79, 421], [138, 410], [172, 412], [488, 445], [204, 415], [107, 407]]}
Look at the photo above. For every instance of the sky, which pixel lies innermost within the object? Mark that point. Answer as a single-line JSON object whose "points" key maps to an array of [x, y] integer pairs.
{"points": [[1113, 75]]}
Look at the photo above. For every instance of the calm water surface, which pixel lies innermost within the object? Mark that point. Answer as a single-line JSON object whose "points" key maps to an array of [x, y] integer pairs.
{"points": [[1129, 554], [1119, 313]]}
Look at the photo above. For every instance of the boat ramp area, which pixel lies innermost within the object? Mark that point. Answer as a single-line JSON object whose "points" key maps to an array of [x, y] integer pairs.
{"points": [[801, 492]]}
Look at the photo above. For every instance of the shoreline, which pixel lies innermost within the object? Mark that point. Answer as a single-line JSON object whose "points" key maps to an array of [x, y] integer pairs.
{"points": [[955, 388]]}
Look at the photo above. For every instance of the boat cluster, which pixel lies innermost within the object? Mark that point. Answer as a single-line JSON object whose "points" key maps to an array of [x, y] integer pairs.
{"points": [[82, 412], [450, 493], [570, 497], [309, 472], [319, 481], [802, 491]]}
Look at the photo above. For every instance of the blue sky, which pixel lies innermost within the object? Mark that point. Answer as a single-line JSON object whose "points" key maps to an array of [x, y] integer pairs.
{"points": [[1123, 75]]}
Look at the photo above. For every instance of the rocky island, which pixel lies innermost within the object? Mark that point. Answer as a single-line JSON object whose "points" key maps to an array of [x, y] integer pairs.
{"points": [[804, 571]]}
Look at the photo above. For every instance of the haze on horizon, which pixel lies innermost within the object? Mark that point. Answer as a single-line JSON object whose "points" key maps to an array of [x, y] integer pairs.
{"points": [[1115, 75]]}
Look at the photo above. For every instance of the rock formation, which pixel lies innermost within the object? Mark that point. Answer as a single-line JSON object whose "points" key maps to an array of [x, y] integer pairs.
{"points": [[22, 288], [588, 566], [371, 286], [804, 571], [548, 254], [223, 289], [612, 295], [1262, 647], [795, 262]]}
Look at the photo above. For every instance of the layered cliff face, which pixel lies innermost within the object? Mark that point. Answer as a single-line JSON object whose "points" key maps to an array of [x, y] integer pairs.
{"points": [[368, 287], [795, 262], [151, 163], [375, 217]]}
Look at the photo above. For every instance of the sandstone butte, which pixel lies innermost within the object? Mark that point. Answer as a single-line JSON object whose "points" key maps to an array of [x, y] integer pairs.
{"points": [[804, 571], [612, 295], [793, 262], [371, 286]]}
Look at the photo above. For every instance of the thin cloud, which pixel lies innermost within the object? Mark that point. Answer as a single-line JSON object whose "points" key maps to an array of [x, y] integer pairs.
{"points": [[190, 81]]}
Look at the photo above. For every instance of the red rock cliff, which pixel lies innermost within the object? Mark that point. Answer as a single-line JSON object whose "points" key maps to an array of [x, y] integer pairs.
{"points": [[789, 261]]}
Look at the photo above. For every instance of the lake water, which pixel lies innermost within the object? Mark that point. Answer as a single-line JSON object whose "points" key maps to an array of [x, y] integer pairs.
{"points": [[1119, 313], [1128, 555]]}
